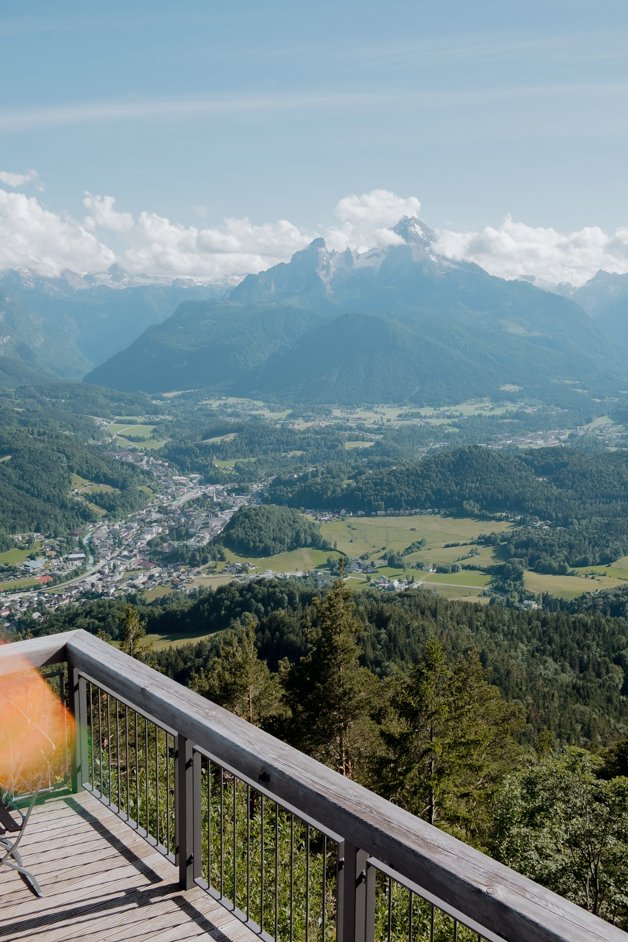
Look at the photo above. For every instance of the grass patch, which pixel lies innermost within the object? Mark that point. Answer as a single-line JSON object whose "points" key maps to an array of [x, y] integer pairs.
{"points": [[177, 639], [298, 560], [211, 582], [353, 445], [229, 463], [229, 437], [568, 587], [83, 486], [358, 535], [19, 584], [157, 593], [15, 557], [468, 579], [99, 511], [136, 429]]}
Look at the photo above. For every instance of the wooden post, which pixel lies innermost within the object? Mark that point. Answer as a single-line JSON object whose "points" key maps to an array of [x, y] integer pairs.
{"points": [[80, 763], [356, 895]]}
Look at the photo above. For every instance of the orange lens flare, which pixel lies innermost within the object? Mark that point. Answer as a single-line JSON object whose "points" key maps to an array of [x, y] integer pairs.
{"points": [[36, 732]]}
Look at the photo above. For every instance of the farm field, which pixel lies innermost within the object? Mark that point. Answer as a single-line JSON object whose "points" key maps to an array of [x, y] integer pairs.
{"points": [[83, 486], [617, 570], [568, 587], [468, 578], [135, 429], [15, 584], [358, 535], [177, 639], [15, 557], [297, 560]]}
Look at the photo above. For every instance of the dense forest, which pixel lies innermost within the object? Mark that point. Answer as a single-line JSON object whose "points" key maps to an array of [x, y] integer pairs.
{"points": [[40, 450], [268, 530], [568, 668]]}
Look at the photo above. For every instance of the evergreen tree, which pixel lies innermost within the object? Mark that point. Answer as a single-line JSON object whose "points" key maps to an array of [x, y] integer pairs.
{"points": [[330, 695], [450, 743], [239, 680]]}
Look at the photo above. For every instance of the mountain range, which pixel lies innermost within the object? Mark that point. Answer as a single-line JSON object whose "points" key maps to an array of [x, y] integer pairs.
{"points": [[400, 323], [63, 327]]}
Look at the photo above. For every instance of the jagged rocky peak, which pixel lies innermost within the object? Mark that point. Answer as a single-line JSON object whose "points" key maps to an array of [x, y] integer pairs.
{"points": [[415, 232]]}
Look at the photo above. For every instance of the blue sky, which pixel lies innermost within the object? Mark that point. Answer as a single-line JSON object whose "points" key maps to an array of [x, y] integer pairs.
{"points": [[197, 112]]}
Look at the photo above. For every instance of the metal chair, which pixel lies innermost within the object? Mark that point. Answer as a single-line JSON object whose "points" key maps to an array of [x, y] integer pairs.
{"points": [[13, 823]]}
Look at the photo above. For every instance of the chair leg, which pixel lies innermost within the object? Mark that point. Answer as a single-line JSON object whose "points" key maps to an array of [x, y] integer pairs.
{"points": [[17, 864]]}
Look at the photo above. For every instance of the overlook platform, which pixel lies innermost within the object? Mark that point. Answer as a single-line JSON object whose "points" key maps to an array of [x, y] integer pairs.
{"points": [[186, 822], [102, 881]]}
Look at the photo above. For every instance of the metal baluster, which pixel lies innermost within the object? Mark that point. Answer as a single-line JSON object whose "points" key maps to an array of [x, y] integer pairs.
{"points": [[234, 812], [137, 776], [307, 883], [108, 750], [147, 820], [291, 877], [157, 828], [432, 922], [389, 924], [168, 792], [222, 830], [410, 915], [248, 851], [126, 759], [100, 737], [324, 883], [261, 908], [209, 823], [276, 869], [92, 738], [118, 755], [455, 938]]}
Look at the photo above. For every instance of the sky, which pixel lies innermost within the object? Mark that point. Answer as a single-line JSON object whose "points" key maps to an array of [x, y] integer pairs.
{"points": [[206, 139]]}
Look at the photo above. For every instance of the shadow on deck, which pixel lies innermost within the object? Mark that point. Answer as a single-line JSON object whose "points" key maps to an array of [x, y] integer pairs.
{"points": [[102, 881]]}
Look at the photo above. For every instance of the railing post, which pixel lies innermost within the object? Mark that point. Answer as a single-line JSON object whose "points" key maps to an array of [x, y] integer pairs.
{"points": [[80, 750], [187, 811], [356, 895]]}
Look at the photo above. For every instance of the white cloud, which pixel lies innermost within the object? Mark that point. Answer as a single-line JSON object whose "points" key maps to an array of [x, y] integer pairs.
{"points": [[150, 244], [146, 243], [18, 179], [32, 237], [366, 220], [516, 250]]}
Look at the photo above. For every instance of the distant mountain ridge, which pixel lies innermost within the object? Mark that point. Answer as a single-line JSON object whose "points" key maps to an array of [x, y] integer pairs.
{"points": [[605, 298], [400, 323], [63, 327]]}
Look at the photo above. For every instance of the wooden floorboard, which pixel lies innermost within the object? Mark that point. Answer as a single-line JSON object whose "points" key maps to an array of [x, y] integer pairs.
{"points": [[102, 881]]}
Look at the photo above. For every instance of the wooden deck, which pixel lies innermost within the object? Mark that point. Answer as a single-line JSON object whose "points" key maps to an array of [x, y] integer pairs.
{"points": [[101, 881]]}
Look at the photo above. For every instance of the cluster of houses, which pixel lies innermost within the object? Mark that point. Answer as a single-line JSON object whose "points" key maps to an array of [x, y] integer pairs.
{"points": [[114, 558]]}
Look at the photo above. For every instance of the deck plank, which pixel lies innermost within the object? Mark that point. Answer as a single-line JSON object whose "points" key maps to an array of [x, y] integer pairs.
{"points": [[102, 881]]}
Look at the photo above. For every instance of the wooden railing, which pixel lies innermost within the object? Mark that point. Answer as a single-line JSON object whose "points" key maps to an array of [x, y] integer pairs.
{"points": [[291, 847]]}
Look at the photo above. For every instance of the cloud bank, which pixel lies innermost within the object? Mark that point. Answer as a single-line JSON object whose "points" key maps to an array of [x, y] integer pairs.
{"points": [[146, 243]]}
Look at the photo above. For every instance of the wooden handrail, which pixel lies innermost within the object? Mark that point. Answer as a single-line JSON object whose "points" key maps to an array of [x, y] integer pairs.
{"points": [[505, 903]]}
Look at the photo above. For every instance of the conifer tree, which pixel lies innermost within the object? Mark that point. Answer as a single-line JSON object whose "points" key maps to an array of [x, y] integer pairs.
{"points": [[330, 695], [451, 742], [239, 680]]}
